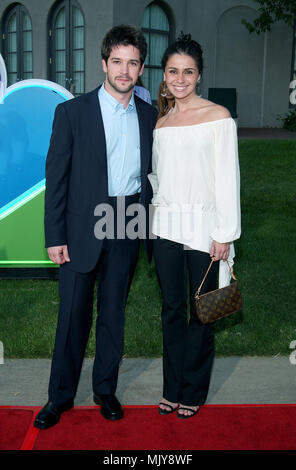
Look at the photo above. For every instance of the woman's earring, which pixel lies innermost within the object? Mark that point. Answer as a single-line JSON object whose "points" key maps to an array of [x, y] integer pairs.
{"points": [[164, 93], [198, 87]]}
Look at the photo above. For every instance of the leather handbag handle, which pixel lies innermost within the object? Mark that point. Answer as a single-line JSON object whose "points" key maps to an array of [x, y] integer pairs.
{"points": [[202, 282]]}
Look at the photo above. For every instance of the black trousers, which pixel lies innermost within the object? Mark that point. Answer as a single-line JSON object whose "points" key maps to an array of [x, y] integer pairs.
{"points": [[114, 271], [188, 346]]}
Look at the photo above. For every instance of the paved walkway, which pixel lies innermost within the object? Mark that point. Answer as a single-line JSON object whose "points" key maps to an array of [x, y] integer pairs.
{"points": [[235, 380]]}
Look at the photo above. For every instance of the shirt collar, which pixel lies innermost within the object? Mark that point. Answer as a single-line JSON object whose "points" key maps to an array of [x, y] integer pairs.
{"points": [[113, 103]]}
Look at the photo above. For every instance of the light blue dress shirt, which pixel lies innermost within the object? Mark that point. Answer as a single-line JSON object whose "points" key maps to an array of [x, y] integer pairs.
{"points": [[123, 145], [143, 93]]}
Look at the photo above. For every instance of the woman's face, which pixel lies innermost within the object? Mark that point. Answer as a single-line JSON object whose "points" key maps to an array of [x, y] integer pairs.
{"points": [[181, 75]]}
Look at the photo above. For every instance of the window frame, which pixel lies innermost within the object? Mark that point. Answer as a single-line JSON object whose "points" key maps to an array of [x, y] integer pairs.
{"points": [[170, 34], [19, 10], [69, 47]]}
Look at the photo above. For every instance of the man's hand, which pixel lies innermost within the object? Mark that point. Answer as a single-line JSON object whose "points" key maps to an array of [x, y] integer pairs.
{"points": [[219, 251], [58, 254]]}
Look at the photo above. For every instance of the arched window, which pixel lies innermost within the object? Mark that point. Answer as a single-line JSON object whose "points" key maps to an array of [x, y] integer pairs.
{"points": [[157, 29], [66, 46], [17, 44]]}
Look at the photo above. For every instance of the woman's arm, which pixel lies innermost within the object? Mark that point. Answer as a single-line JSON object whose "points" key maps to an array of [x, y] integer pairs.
{"points": [[227, 189]]}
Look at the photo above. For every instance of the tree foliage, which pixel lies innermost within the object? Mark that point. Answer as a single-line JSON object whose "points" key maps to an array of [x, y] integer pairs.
{"points": [[271, 11]]}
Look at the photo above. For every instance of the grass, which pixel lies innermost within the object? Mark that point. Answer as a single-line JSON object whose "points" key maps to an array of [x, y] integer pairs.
{"points": [[264, 267]]}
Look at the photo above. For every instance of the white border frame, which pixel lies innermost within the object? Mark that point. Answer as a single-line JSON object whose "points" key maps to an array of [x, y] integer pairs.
{"points": [[3, 82], [41, 83], [4, 91]]}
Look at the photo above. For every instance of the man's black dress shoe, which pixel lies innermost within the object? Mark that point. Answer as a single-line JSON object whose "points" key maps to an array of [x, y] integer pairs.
{"points": [[50, 414], [110, 406]]}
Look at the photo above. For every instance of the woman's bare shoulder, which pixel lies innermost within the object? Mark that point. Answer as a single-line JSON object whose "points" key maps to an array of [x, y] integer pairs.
{"points": [[216, 111]]}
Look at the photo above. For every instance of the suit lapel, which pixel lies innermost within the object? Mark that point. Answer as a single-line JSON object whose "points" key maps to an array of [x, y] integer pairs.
{"points": [[143, 135], [97, 139], [95, 123]]}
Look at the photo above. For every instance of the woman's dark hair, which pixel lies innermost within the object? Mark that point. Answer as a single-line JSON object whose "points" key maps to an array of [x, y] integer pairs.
{"points": [[184, 45], [165, 101], [123, 35]]}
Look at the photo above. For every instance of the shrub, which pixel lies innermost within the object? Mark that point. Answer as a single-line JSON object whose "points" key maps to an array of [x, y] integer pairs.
{"points": [[289, 120]]}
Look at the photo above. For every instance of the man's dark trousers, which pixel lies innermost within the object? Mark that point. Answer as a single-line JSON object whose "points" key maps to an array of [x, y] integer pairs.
{"points": [[114, 270]]}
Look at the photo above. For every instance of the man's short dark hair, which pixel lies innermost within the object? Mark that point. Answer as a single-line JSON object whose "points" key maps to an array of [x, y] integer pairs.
{"points": [[124, 35]]}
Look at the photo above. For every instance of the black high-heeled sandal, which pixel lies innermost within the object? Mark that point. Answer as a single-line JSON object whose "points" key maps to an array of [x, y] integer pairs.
{"points": [[161, 411], [193, 412]]}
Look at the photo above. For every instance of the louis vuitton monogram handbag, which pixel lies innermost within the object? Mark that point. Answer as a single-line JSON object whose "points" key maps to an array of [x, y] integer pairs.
{"points": [[218, 303]]}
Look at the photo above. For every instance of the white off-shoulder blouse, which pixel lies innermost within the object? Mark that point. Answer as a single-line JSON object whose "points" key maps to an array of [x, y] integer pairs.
{"points": [[196, 186]]}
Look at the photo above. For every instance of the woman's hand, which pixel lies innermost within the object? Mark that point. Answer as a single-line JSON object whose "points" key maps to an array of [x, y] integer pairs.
{"points": [[219, 251]]}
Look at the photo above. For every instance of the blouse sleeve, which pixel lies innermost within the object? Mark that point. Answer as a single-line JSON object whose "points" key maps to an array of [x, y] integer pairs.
{"points": [[227, 183]]}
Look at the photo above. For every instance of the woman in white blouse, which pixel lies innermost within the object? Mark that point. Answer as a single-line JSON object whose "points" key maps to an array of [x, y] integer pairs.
{"points": [[196, 217]]}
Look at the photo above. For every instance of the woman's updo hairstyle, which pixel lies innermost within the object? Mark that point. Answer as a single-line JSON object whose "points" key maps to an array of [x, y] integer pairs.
{"points": [[184, 45]]}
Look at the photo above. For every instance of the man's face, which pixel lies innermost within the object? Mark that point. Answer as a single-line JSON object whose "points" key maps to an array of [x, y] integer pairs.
{"points": [[122, 68]]}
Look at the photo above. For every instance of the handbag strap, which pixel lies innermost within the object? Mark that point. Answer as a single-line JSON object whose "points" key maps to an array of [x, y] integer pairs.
{"points": [[202, 282]]}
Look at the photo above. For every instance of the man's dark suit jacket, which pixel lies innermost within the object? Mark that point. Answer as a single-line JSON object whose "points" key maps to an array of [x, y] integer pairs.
{"points": [[77, 180]]}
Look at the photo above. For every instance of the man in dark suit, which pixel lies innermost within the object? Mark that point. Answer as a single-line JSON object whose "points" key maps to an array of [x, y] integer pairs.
{"points": [[99, 158]]}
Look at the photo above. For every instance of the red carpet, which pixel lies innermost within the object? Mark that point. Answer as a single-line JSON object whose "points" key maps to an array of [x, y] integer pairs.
{"points": [[216, 427], [14, 423]]}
